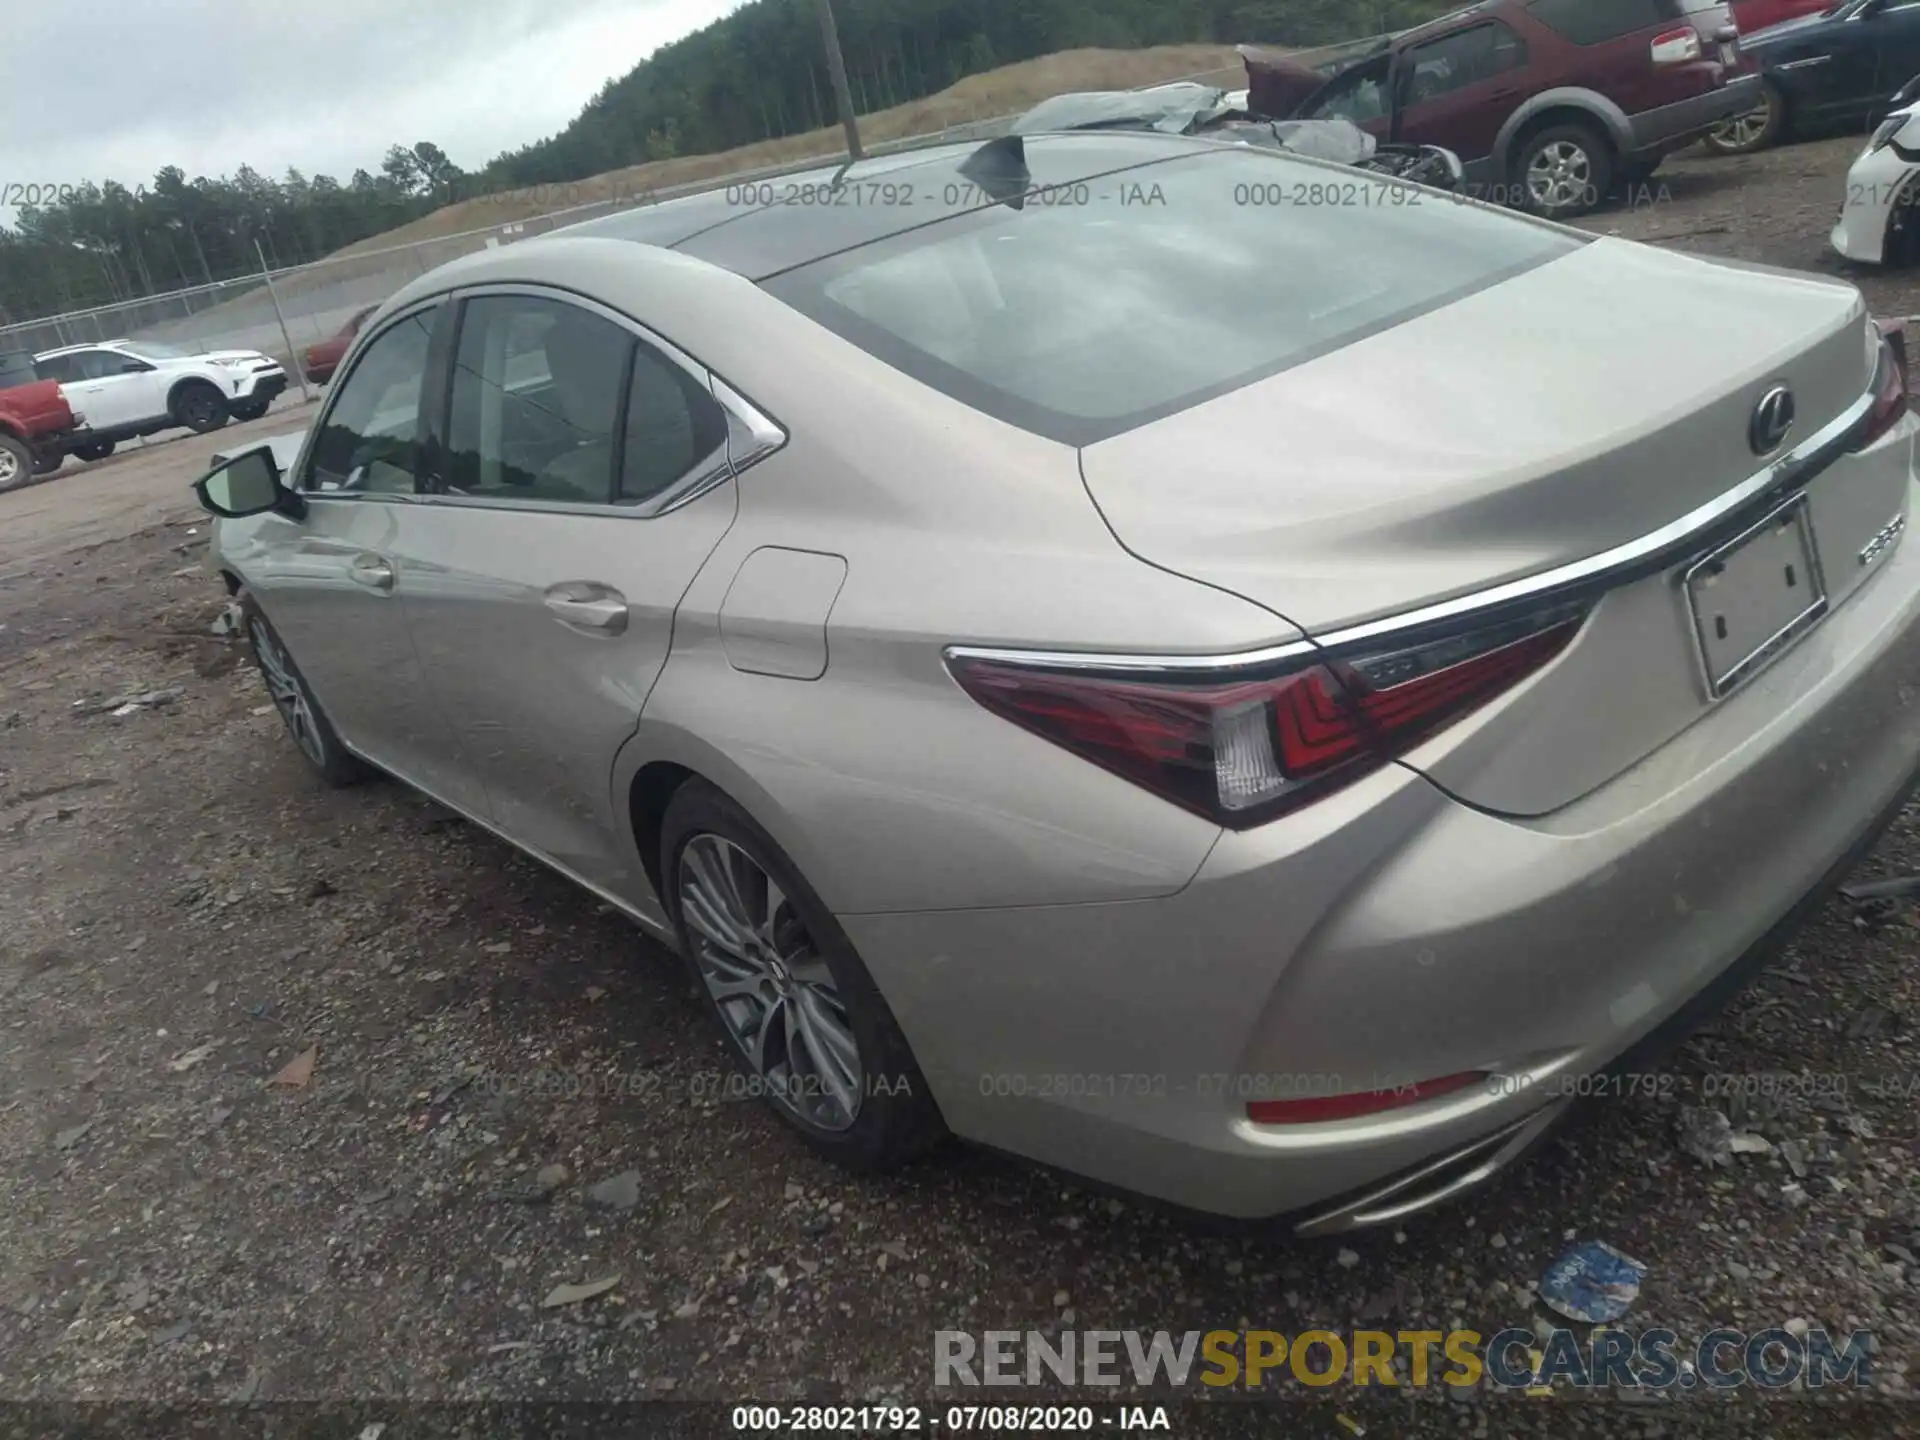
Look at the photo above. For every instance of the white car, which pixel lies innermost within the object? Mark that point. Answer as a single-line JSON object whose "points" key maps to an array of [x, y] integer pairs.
{"points": [[135, 387], [1880, 218]]}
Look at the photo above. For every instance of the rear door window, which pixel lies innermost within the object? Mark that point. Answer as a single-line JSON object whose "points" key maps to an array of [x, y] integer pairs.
{"points": [[536, 401], [555, 405], [1463, 58], [672, 425], [105, 364], [1592, 22]]}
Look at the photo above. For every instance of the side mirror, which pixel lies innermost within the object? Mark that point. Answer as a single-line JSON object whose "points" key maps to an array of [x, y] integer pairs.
{"points": [[134, 367], [248, 484]]}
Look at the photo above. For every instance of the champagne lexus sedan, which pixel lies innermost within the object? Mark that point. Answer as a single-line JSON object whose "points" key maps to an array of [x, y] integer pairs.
{"points": [[1230, 677]]}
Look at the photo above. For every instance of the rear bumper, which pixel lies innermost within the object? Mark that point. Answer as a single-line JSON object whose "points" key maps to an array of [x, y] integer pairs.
{"points": [[1668, 128], [1391, 934], [1479, 1161]]}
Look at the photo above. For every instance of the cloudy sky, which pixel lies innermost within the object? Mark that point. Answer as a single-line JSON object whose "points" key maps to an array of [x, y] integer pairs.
{"points": [[115, 89]]}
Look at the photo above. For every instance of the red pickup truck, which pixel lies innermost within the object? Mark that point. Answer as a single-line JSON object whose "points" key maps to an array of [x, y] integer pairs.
{"points": [[36, 424]]}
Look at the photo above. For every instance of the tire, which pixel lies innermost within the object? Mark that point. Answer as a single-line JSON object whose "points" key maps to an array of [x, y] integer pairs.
{"points": [[248, 409], [199, 407], [1759, 129], [48, 463], [800, 978], [98, 450], [16, 463], [1564, 171], [313, 734]]}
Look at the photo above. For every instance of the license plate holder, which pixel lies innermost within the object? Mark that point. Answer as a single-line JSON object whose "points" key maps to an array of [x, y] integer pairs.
{"points": [[1754, 596]]}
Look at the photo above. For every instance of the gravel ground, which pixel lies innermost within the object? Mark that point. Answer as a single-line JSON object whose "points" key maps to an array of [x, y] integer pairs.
{"points": [[511, 1091]]}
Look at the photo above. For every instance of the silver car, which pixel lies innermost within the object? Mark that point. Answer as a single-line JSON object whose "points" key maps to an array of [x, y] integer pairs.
{"points": [[1172, 660]]}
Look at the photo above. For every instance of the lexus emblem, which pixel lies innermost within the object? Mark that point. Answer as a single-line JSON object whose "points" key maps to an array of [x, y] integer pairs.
{"points": [[1772, 421]]}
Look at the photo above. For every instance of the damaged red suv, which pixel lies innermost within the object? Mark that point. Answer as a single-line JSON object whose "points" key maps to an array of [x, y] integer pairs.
{"points": [[1549, 103]]}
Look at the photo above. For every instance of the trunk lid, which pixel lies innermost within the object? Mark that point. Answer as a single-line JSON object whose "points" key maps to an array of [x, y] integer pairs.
{"points": [[1576, 408], [1541, 421]]}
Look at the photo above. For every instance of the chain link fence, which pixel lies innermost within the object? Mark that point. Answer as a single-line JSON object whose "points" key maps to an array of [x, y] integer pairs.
{"points": [[316, 300]]}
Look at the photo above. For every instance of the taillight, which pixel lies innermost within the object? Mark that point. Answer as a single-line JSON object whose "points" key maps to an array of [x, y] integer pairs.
{"points": [[1242, 751], [1888, 128], [1889, 391], [1313, 1109], [1676, 47]]}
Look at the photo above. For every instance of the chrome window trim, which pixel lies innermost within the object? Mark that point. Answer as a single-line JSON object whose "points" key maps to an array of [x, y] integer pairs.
{"points": [[529, 290], [1648, 554], [709, 471], [759, 435], [752, 435], [713, 469], [362, 497]]}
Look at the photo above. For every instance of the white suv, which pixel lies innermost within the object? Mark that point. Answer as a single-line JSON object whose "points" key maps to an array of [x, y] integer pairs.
{"points": [[134, 387]]}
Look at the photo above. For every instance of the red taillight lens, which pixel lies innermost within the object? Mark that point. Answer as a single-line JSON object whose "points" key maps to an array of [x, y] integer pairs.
{"points": [[1241, 752], [1676, 47], [1890, 401], [1312, 1109]]}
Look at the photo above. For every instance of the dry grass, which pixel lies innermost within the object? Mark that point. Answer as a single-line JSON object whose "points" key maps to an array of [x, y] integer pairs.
{"points": [[978, 97]]}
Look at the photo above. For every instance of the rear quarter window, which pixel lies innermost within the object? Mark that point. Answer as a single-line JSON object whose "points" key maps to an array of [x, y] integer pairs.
{"points": [[1592, 22], [1108, 305]]}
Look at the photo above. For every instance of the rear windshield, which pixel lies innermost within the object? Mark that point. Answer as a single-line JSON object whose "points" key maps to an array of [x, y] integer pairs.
{"points": [[1100, 307]]}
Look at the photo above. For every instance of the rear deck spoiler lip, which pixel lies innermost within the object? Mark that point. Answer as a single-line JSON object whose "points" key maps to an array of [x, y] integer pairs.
{"points": [[1699, 529]]}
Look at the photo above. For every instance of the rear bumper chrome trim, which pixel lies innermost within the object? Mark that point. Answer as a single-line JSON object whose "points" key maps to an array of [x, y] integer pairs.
{"points": [[1647, 555], [1435, 1182]]}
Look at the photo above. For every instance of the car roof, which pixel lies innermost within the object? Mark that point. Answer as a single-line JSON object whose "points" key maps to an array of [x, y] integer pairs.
{"points": [[761, 228], [76, 349]]}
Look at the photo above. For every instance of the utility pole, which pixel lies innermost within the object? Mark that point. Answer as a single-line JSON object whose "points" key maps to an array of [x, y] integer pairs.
{"points": [[293, 355], [837, 70]]}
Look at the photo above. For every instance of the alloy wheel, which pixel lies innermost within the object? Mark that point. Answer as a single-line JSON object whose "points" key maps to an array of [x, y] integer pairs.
{"points": [[1560, 176], [1745, 130], [9, 468], [289, 695], [771, 985]]}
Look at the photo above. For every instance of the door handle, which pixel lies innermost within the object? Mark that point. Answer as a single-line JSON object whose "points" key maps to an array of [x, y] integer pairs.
{"points": [[587, 605], [371, 571]]}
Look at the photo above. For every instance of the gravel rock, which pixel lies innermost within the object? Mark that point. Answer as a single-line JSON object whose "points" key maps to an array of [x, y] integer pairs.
{"points": [[617, 1192], [1706, 1134]]}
